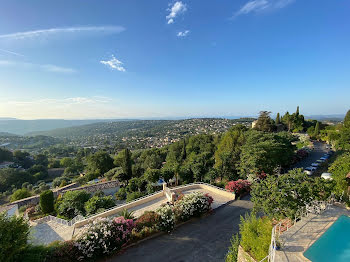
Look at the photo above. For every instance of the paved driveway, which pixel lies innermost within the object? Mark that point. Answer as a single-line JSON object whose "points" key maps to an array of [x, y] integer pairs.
{"points": [[318, 151], [205, 239]]}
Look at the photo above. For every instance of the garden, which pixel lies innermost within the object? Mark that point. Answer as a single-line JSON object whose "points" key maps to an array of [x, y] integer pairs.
{"points": [[104, 236]]}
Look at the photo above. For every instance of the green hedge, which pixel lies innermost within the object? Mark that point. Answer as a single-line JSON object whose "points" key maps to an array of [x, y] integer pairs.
{"points": [[47, 202]]}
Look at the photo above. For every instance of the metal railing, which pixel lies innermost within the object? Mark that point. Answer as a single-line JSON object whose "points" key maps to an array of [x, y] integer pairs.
{"points": [[199, 183], [315, 207], [80, 218], [59, 220]]}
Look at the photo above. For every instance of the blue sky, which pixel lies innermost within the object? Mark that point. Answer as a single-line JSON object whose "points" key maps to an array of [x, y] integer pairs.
{"points": [[117, 59]]}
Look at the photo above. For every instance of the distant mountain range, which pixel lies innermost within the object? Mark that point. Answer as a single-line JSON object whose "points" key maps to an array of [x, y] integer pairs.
{"points": [[13, 126], [338, 117], [21, 127]]}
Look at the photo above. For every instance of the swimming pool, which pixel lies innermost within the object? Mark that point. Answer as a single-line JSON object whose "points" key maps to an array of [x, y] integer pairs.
{"points": [[333, 245]]}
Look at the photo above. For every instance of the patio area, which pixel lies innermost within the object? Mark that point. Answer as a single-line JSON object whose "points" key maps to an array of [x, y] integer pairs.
{"points": [[300, 237]]}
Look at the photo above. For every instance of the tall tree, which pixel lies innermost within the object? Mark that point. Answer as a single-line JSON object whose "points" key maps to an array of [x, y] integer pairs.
{"points": [[264, 122], [227, 155], [347, 120], [278, 120], [123, 159], [297, 112], [317, 129]]}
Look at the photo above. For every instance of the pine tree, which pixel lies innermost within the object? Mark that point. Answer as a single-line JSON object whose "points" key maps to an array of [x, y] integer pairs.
{"points": [[264, 122], [278, 121], [347, 120]]}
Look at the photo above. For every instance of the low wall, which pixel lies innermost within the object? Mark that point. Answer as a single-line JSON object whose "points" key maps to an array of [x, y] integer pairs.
{"points": [[118, 209], [146, 199], [34, 200]]}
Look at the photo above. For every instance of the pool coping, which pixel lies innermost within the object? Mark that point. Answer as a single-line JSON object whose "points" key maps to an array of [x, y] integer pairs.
{"points": [[296, 243], [325, 230]]}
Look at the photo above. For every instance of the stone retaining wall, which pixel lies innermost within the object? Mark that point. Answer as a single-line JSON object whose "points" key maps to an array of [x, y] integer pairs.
{"points": [[104, 186], [109, 187], [34, 200]]}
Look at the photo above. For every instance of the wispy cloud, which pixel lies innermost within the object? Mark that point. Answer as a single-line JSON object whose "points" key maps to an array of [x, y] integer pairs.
{"points": [[175, 10], [114, 64], [10, 52], [63, 30], [44, 67], [183, 33], [256, 6]]}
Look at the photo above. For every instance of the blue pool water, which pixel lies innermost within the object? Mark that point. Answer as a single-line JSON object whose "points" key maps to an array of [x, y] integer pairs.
{"points": [[333, 245]]}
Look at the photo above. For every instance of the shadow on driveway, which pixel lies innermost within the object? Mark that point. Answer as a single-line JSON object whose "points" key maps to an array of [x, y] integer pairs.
{"points": [[205, 239]]}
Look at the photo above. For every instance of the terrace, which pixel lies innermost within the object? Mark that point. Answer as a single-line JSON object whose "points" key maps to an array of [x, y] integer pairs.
{"points": [[49, 229]]}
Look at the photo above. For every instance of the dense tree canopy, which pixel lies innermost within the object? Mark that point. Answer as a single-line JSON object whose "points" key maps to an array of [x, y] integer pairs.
{"points": [[265, 152], [227, 156], [99, 163], [282, 195]]}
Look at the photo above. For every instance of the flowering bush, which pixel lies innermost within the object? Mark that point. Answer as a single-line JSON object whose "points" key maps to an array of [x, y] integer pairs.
{"points": [[166, 218], [238, 187], [130, 224], [104, 236], [148, 219], [193, 204]]}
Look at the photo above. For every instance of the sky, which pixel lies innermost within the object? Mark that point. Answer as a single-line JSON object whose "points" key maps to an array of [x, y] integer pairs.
{"points": [[87, 59]]}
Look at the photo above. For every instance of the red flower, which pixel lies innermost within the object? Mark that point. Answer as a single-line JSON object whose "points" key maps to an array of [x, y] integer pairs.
{"points": [[238, 187]]}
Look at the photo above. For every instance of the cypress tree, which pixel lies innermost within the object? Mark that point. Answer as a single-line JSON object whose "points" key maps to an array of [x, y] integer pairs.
{"points": [[297, 112], [347, 120], [127, 164], [317, 129], [278, 121]]}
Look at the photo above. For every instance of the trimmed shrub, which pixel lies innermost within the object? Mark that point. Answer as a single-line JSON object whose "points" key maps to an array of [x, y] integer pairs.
{"points": [[47, 202]]}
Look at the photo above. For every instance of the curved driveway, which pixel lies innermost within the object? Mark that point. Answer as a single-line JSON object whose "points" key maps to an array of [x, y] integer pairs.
{"points": [[205, 239], [318, 151]]}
